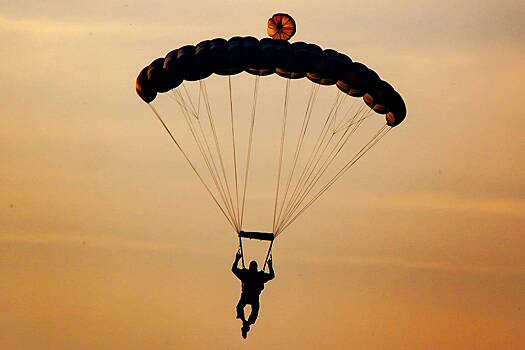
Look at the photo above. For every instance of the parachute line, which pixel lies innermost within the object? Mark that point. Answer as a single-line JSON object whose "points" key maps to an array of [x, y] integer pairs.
{"points": [[205, 151], [306, 120], [310, 182], [313, 151], [375, 139], [191, 164], [325, 151], [250, 142], [281, 151], [195, 112], [313, 154], [234, 149], [217, 145]]}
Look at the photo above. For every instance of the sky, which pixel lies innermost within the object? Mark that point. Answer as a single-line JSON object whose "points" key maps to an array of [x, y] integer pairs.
{"points": [[108, 241]]}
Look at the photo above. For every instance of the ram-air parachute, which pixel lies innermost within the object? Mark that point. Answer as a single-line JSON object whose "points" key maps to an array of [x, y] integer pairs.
{"points": [[314, 142]]}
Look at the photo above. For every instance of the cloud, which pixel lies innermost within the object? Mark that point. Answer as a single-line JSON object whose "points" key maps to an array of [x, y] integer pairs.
{"points": [[51, 30], [404, 263], [450, 202], [109, 242], [87, 241]]}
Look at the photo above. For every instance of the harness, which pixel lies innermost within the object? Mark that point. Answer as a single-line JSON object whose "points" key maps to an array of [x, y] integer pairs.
{"points": [[261, 236]]}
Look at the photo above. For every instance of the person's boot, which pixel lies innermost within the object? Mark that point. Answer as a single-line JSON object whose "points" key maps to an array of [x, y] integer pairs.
{"points": [[244, 329]]}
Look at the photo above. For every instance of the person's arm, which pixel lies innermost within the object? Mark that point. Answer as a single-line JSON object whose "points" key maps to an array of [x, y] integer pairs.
{"points": [[271, 275], [235, 269]]}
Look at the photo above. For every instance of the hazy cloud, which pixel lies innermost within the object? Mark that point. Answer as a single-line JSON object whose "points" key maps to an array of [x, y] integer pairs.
{"points": [[451, 202], [45, 29], [111, 242]]}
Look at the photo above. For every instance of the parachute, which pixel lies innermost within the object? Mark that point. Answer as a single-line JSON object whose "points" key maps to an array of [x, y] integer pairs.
{"points": [[281, 26], [316, 159]]}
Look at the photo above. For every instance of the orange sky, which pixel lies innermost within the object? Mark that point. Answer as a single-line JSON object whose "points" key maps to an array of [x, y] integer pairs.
{"points": [[108, 241]]}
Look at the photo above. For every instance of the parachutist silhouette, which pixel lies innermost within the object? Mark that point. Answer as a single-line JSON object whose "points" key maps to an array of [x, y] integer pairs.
{"points": [[252, 282]]}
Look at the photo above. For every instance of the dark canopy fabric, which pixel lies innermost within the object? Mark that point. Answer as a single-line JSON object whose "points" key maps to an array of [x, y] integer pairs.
{"points": [[268, 56]]}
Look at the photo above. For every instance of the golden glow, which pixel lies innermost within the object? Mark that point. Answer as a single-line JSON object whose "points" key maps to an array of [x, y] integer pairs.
{"points": [[107, 240]]}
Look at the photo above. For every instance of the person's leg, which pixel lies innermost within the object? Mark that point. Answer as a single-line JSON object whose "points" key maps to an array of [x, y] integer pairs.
{"points": [[240, 309], [255, 311]]}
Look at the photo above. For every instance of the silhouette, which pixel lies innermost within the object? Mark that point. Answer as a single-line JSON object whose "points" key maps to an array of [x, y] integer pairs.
{"points": [[252, 284]]}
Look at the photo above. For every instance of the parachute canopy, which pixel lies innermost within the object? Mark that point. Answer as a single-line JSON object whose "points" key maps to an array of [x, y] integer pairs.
{"points": [[268, 56], [281, 26]]}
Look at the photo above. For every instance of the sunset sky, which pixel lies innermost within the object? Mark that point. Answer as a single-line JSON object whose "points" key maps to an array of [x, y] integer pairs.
{"points": [[108, 241]]}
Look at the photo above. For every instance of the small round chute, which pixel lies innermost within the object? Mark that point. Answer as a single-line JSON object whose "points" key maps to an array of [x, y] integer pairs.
{"points": [[281, 26]]}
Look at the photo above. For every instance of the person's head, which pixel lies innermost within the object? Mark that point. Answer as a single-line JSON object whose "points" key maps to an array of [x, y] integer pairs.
{"points": [[253, 265]]}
